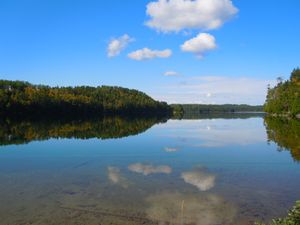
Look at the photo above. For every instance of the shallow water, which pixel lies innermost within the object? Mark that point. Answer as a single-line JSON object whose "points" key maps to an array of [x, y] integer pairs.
{"points": [[202, 172]]}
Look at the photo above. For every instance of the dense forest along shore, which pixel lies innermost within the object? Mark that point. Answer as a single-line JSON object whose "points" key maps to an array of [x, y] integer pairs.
{"points": [[284, 99], [18, 98]]}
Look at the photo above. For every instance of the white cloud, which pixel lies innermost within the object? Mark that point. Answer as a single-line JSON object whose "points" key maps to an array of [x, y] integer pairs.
{"points": [[222, 89], [149, 169], [171, 73], [201, 179], [177, 15], [146, 53], [116, 45], [200, 44]]}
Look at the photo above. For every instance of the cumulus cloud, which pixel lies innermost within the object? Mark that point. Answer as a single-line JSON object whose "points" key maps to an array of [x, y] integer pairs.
{"points": [[177, 15], [198, 209], [199, 178], [200, 44], [114, 175], [146, 53], [171, 73], [116, 45], [149, 169]]}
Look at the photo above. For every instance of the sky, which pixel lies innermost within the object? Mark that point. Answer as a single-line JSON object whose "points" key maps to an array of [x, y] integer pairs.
{"points": [[179, 51]]}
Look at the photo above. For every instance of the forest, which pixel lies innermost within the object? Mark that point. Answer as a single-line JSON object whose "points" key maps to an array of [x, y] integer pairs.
{"points": [[205, 116], [22, 99], [18, 98], [284, 98], [198, 109]]}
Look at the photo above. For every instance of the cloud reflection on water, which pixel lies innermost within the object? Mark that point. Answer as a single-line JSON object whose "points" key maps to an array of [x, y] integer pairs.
{"points": [[114, 175], [171, 149], [199, 178], [149, 169], [198, 209], [215, 132]]}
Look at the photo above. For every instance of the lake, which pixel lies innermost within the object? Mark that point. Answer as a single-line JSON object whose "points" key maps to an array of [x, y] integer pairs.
{"points": [[204, 171]]}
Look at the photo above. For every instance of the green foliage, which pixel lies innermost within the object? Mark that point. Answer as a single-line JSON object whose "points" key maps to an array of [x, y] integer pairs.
{"points": [[295, 76], [284, 98], [197, 116], [205, 109], [22, 98], [177, 111], [286, 133], [293, 217]]}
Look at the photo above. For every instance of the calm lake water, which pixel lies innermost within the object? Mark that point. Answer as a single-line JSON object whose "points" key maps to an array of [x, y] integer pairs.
{"points": [[197, 171]]}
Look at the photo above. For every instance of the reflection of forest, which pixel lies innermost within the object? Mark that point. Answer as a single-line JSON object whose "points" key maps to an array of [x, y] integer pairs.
{"points": [[286, 133], [20, 132]]}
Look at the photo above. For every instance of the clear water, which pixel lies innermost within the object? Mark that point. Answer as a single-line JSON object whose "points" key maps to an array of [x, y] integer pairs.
{"points": [[202, 172]]}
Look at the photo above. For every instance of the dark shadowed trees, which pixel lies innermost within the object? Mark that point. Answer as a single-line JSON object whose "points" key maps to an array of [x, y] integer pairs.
{"points": [[22, 99]]}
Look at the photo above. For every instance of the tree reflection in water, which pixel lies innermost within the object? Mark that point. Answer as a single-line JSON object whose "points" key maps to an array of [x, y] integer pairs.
{"points": [[285, 133], [14, 131]]}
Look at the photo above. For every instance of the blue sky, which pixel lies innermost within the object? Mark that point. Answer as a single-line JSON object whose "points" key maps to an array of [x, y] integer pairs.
{"points": [[65, 43]]}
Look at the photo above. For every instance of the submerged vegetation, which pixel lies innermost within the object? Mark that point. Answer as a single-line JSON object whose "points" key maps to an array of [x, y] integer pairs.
{"points": [[284, 98], [25, 131], [19, 98], [285, 133], [293, 217]]}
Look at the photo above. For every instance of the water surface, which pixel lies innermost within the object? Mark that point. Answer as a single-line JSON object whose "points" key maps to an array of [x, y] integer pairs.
{"points": [[204, 171]]}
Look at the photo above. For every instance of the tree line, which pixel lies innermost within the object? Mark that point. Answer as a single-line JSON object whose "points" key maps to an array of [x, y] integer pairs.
{"points": [[284, 98], [200, 109], [22, 98]]}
